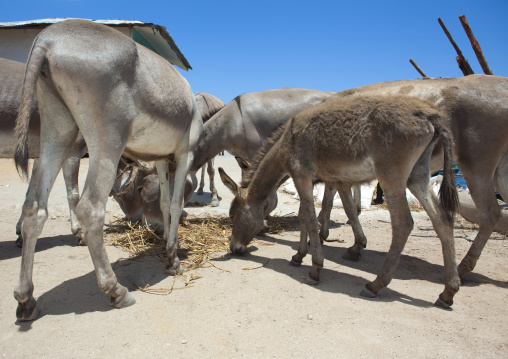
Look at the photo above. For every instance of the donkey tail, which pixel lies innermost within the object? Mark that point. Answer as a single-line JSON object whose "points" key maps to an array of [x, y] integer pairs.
{"points": [[447, 192], [36, 60]]}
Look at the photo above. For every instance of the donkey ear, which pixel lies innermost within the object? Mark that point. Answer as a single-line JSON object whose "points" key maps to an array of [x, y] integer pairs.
{"points": [[244, 165], [229, 183]]}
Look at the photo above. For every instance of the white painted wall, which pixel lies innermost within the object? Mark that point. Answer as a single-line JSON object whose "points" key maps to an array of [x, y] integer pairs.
{"points": [[15, 44]]}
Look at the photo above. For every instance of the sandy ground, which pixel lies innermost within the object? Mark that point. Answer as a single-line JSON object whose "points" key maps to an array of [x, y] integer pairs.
{"points": [[258, 313]]}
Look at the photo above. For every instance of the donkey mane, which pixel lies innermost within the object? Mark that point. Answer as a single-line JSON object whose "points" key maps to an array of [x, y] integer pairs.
{"points": [[270, 142]]}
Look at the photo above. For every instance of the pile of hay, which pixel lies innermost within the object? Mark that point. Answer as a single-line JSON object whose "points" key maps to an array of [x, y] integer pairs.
{"points": [[199, 239]]}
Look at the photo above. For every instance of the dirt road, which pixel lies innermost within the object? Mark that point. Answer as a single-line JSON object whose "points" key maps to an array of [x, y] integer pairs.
{"points": [[257, 313]]}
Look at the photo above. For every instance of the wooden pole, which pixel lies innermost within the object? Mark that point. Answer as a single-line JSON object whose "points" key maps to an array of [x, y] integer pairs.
{"points": [[476, 46], [418, 69], [461, 60]]}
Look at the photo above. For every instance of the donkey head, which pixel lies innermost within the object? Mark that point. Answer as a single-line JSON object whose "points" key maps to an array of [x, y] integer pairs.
{"points": [[247, 216]]}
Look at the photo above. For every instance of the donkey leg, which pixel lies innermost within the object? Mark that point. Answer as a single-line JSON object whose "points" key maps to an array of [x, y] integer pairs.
{"points": [[357, 195], [90, 212], [202, 181], [70, 170], [297, 259], [57, 135], [402, 225], [213, 190], [326, 210], [19, 240], [353, 252], [304, 187], [482, 193], [166, 180], [418, 184], [34, 216]]}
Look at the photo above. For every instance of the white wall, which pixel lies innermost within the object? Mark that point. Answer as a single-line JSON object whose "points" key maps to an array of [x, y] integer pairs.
{"points": [[15, 44]]}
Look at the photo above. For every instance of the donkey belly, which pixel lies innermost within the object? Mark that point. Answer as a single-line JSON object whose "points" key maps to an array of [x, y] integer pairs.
{"points": [[346, 172], [155, 138]]}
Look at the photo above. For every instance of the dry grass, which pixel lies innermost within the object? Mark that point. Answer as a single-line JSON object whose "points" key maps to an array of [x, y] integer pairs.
{"points": [[413, 207], [199, 239]]}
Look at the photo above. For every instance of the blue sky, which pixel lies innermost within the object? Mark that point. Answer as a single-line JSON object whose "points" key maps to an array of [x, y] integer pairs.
{"points": [[244, 46]]}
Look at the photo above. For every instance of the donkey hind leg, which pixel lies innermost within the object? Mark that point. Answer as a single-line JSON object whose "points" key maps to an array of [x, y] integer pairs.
{"points": [[70, 170], [213, 190], [57, 125], [202, 181], [402, 225], [304, 187], [482, 193], [90, 212], [353, 253], [19, 240], [418, 184], [326, 210]]}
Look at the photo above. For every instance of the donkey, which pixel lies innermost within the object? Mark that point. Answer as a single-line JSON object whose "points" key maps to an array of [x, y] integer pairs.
{"points": [[11, 82], [241, 128], [122, 97], [346, 141], [208, 106], [137, 190], [477, 106]]}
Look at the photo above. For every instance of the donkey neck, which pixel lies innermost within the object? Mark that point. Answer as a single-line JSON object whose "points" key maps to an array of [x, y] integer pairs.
{"points": [[267, 177], [214, 140]]}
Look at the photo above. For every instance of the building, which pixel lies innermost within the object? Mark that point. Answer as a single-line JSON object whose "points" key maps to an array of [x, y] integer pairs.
{"points": [[16, 38]]}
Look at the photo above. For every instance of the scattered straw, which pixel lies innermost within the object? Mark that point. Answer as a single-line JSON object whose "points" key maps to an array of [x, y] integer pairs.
{"points": [[413, 207], [261, 266], [198, 239]]}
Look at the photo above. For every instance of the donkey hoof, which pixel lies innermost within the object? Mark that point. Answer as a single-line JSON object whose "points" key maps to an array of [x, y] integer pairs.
{"points": [[309, 281], [27, 311], [19, 242], [175, 270], [367, 293], [295, 263], [443, 305], [355, 257], [215, 203], [199, 192], [123, 301]]}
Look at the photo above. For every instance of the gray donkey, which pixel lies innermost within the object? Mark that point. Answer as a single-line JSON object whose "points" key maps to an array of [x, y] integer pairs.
{"points": [[122, 97]]}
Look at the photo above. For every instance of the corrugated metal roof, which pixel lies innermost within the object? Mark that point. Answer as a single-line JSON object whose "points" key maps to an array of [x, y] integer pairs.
{"points": [[156, 36]]}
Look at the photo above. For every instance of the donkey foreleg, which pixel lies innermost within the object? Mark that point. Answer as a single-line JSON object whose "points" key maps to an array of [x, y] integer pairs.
{"points": [[353, 253], [202, 181], [304, 187], [213, 190], [297, 259], [325, 213], [167, 186]]}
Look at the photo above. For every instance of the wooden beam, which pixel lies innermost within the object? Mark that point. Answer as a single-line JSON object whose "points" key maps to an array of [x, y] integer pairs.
{"points": [[476, 46], [461, 60], [418, 68]]}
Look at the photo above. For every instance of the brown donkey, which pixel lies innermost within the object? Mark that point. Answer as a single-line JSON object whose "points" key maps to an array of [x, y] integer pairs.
{"points": [[348, 141]]}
